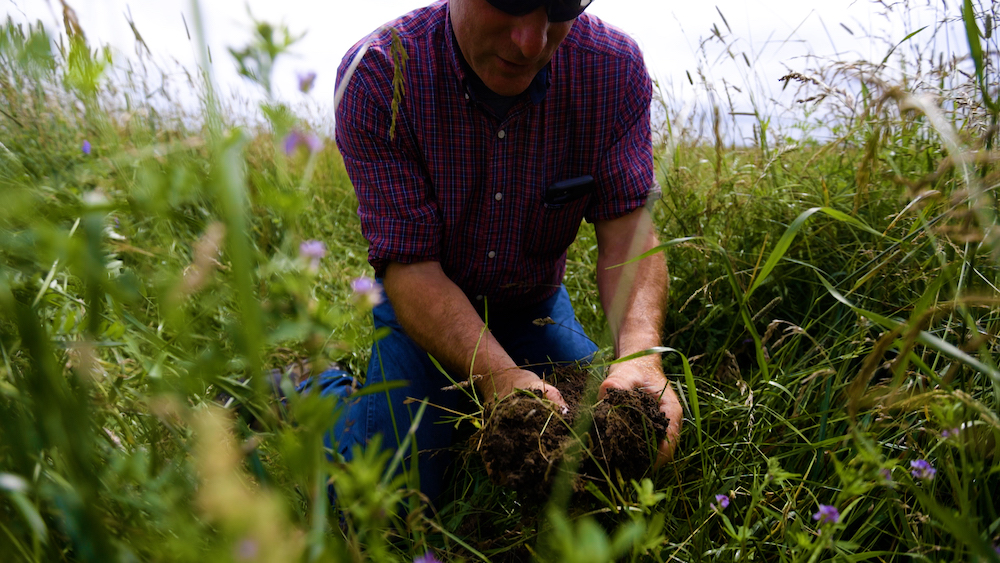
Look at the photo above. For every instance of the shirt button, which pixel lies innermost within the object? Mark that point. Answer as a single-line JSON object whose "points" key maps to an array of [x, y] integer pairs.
{"points": [[498, 196], [501, 133], [466, 95], [479, 298], [492, 254]]}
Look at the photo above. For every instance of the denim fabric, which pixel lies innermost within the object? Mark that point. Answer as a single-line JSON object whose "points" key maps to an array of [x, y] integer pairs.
{"points": [[557, 338]]}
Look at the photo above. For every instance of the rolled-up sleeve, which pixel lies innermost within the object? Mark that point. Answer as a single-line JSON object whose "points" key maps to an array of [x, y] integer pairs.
{"points": [[626, 173], [396, 204]]}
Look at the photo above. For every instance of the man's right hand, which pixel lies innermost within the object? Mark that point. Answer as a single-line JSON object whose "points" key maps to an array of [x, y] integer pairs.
{"points": [[500, 385]]}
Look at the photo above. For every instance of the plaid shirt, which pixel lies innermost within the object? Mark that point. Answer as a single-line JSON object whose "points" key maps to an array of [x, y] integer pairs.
{"points": [[459, 186]]}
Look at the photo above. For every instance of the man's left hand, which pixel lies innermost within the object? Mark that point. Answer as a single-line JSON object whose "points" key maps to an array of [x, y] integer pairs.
{"points": [[633, 375]]}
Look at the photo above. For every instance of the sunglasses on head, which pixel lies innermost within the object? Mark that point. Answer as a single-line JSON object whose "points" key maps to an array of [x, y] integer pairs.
{"points": [[558, 10]]}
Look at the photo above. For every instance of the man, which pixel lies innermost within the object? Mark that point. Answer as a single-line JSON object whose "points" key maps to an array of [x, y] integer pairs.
{"points": [[518, 119]]}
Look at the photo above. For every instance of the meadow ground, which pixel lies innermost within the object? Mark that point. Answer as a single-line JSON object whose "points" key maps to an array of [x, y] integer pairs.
{"points": [[832, 331]]}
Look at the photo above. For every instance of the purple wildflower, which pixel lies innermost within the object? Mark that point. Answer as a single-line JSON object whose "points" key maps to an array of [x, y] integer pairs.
{"points": [[313, 141], [921, 469], [720, 504], [292, 141], [306, 80], [85, 147], [950, 432], [246, 550], [314, 251], [827, 514], [886, 474], [367, 292], [427, 558], [296, 139]]}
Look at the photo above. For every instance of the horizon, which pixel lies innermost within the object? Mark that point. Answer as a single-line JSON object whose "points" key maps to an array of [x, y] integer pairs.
{"points": [[740, 58]]}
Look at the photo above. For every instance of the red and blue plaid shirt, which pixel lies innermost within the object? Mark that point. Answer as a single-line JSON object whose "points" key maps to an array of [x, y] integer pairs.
{"points": [[459, 186]]}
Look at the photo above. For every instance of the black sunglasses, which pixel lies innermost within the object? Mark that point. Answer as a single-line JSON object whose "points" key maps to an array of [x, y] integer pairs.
{"points": [[558, 10]]}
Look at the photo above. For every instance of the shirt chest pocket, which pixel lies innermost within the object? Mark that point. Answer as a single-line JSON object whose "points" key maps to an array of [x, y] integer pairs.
{"points": [[550, 230]]}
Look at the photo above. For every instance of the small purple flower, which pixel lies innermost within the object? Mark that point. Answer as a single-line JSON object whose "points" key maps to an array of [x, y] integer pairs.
{"points": [[314, 251], [827, 514], [296, 139], [950, 432], [85, 147], [246, 550], [921, 469], [720, 504], [427, 558], [313, 142], [367, 292], [292, 141], [886, 474], [306, 80]]}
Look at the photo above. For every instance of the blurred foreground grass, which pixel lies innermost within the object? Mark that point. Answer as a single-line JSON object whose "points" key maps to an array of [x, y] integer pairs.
{"points": [[834, 305]]}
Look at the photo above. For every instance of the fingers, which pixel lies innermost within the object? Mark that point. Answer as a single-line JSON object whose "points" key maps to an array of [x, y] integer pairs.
{"points": [[612, 383], [669, 444], [671, 408], [553, 394], [665, 454], [526, 380]]}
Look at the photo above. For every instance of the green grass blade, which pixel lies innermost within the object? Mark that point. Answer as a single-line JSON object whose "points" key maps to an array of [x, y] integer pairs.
{"points": [[972, 35], [658, 248], [786, 240], [896, 46], [923, 337], [404, 445]]}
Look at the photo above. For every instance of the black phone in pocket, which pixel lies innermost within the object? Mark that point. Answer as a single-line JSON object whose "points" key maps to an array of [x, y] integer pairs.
{"points": [[565, 191]]}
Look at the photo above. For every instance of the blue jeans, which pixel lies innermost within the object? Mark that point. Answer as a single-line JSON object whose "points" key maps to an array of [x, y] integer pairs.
{"points": [[396, 357]]}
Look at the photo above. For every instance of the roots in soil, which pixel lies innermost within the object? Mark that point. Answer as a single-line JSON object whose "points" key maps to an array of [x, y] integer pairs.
{"points": [[526, 443]]}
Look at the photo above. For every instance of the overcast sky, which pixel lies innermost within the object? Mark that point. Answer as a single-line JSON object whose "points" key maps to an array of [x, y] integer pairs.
{"points": [[776, 35]]}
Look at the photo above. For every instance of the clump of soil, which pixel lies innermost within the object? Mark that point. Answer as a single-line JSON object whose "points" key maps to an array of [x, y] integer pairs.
{"points": [[526, 442], [627, 431]]}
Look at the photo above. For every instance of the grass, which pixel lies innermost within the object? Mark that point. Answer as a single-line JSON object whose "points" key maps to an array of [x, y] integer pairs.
{"points": [[833, 320]]}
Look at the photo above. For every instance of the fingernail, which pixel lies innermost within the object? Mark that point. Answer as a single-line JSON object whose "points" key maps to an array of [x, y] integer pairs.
{"points": [[565, 410]]}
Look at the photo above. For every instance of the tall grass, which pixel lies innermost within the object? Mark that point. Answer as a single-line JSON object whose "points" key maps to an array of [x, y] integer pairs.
{"points": [[833, 325]]}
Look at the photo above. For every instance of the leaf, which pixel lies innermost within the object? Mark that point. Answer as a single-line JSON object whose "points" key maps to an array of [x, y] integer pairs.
{"points": [[627, 535], [593, 489], [646, 494]]}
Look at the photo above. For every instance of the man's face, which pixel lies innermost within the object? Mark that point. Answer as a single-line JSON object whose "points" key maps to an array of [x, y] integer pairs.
{"points": [[505, 51]]}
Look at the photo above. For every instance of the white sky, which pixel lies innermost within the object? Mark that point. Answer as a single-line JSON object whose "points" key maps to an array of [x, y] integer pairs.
{"points": [[776, 35]]}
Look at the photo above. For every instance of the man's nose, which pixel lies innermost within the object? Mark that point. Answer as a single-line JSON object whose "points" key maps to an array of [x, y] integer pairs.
{"points": [[531, 33]]}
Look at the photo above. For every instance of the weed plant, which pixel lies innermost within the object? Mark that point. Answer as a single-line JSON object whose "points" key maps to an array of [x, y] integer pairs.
{"points": [[832, 331]]}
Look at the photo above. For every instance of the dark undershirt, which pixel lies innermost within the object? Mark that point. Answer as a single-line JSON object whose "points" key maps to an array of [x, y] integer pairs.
{"points": [[500, 105]]}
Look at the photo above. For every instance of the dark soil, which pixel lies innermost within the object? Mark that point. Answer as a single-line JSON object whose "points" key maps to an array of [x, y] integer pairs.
{"points": [[525, 443]]}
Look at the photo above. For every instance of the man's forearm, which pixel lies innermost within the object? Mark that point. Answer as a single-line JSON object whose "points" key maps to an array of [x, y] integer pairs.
{"points": [[438, 316], [634, 299], [634, 295]]}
